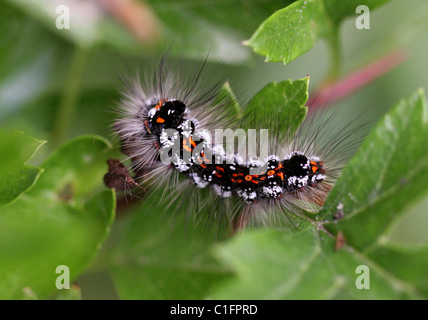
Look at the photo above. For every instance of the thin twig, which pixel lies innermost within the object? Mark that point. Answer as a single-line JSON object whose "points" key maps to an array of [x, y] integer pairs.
{"points": [[349, 84], [67, 105]]}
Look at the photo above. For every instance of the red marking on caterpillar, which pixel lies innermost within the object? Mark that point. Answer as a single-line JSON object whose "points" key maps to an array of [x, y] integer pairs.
{"points": [[173, 120]]}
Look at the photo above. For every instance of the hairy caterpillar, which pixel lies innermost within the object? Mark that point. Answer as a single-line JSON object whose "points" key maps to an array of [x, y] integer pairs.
{"points": [[166, 130]]}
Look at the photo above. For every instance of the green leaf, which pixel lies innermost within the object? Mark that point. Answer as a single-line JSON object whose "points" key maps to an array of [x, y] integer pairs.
{"points": [[279, 105], [292, 31], [88, 155], [16, 177], [387, 174], [296, 265], [160, 255], [58, 222]]}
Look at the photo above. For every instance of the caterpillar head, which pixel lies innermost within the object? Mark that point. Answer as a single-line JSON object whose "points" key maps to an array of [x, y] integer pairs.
{"points": [[165, 114], [301, 171]]}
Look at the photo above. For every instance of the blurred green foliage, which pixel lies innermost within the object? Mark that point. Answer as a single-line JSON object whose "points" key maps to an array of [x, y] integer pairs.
{"points": [[61, 85]]}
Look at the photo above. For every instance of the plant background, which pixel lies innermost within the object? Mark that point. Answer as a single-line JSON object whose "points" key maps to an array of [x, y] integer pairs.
{"points": [[56, 85]]}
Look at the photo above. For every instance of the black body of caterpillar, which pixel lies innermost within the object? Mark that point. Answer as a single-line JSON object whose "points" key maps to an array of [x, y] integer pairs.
{"points": [[234, 179]]}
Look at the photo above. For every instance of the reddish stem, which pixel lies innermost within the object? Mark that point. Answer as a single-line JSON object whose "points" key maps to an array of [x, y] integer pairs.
{"points": [[349, 84]]}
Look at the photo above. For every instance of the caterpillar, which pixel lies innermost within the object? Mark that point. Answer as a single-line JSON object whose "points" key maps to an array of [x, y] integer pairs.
{"points": [[166, 130]]}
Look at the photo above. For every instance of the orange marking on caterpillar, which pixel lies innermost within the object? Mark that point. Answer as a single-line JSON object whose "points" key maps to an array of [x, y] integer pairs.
{"points": [[218, 175], [203, 155], [314, 166], [159, 105], [220, 168], [186, 146], [253, 178]]}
